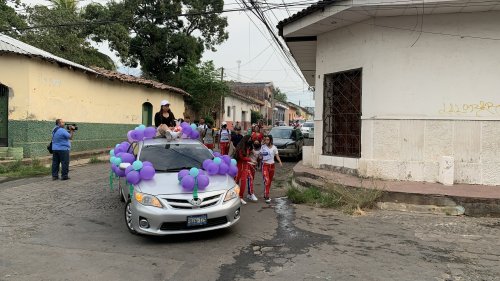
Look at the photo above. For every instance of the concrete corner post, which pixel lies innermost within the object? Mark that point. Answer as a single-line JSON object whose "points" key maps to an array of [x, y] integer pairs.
{"points": [[446, 170]]}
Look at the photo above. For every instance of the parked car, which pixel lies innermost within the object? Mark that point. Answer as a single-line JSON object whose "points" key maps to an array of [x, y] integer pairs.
{"points": [[306, 128], [288, 140], [161, 206]]}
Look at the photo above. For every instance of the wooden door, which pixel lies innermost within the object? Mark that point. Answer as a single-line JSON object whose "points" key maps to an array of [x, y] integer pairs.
{"points": [[4, 115]]}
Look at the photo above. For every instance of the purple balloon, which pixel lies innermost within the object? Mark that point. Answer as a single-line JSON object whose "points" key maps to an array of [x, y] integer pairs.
{"points": [[125, 145], [223, 168], [187, 130], [203, 181], [147, 172], [129, 136], [213, 169], [182, 174], [195, 134], [150, 132], [187, 182], [233, 171], [226, 159], [119, 172], [118, 150], [147, 163], [217, 154], [184, 124], [133, 177], [203, 172], [206, 163], [137, 135], [127, 158], [129, 168]]}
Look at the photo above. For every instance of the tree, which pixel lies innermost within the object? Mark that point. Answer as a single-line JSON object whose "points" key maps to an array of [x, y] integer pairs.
{"points": [[163, 36], [10, 21], [279, 96], [203, 83], [69, 42], [255, 116]]}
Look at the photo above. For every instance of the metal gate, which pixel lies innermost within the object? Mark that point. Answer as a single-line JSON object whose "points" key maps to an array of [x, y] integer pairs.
{"points": [[342, 114], [4, 115]]}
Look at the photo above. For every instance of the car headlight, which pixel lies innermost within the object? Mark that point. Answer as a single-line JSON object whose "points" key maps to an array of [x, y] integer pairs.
{"points": [[232, 193], [147, 200]]}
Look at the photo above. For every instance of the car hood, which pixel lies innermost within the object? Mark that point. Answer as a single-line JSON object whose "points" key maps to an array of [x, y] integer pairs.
{"points": [[167, 184], [280, 142]]}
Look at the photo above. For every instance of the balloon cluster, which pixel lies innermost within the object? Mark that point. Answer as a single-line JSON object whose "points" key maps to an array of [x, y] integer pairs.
{"points": [[190, 131], [195, 177], [120, 155], [140, 133], [221, 164], [139, 171]]}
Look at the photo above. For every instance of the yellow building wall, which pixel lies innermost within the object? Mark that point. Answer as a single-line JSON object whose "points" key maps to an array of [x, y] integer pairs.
{"points": [[46, 91]]}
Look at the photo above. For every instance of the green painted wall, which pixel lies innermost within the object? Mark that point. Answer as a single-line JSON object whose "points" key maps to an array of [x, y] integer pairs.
{"points": [[34, 136]]}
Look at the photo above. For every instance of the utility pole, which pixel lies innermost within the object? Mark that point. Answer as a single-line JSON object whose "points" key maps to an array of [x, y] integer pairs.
{"points": [[221, 99], [239, 68]]}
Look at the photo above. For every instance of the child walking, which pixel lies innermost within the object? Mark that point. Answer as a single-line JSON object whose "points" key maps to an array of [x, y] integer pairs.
{"points": [[208, 136], [255, 159], [268, 152], [244, 177]]}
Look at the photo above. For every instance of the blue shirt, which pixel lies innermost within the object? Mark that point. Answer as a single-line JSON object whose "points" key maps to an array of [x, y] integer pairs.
{"points": [[60, 141]]}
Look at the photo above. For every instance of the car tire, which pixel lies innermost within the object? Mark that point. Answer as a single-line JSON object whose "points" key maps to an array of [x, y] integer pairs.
{"points": [[128, 217], [120, 191]]}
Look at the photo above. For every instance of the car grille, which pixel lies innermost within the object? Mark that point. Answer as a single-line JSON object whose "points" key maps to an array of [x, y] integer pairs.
{"points": [[281, 146], [182, 225], [185, 204]]}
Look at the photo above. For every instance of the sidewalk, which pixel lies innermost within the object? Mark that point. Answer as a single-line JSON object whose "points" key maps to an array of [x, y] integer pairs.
{"points": [[477, 200]]}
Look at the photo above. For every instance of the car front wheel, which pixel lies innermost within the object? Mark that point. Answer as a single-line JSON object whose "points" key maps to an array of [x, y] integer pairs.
{"points": [[128, 217]]}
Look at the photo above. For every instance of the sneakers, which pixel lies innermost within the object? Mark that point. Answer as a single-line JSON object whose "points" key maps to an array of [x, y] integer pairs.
{"points": [[268, 200], [253, 197], [243, 202]]}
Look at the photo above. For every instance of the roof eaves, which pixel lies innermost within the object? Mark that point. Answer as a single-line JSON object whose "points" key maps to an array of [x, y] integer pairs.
{"points": [[321, 5]]}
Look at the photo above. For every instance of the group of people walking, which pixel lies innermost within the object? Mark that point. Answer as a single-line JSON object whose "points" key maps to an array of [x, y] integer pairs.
{"points": [[254, 151]]}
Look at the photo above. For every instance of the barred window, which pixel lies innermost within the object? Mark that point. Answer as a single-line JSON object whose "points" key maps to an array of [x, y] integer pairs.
{"points": [[342, 114]]}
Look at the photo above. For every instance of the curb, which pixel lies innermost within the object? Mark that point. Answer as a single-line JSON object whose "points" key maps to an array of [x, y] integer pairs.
{"points": [[413, 202]]}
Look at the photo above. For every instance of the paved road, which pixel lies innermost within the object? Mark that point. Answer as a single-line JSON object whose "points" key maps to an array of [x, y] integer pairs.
{"points": [[75, 231]]}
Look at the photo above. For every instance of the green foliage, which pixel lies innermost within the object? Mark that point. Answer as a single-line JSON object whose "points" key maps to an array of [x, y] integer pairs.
{"points": [[203, 83], [279, 96], [19, 170], [69, 42], [154, 34], [255, 116], [348, 199], [9, 19]]}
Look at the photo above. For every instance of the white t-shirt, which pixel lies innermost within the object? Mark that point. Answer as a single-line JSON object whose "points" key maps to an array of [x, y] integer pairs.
{"points": [[268, 153], [255, 156], [224, 135], [209, 136]]}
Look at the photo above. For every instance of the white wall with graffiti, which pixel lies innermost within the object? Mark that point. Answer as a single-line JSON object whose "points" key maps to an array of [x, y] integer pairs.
{"points": [[424, 95]]}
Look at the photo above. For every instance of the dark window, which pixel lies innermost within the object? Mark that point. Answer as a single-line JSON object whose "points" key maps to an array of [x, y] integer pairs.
{"points": [[4, 115], [228, 111], [342, 114], [174, 157]]}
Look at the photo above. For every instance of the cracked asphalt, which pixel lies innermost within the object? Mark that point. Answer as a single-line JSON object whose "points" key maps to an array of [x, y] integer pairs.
{"points": [[75, 230]]}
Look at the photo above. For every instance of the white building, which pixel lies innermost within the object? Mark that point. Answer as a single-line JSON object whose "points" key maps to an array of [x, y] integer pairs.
{"points": [[238, 108], [402, 85]]}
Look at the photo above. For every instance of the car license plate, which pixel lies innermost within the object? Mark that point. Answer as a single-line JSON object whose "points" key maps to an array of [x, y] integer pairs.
{"points": [[196, 220]]}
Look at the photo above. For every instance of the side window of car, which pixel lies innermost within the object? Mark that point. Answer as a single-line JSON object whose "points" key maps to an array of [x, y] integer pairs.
{"points": [[294, 134]]}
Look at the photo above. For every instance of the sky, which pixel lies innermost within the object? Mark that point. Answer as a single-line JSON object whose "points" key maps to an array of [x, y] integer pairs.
{"points": [[250, 43]]}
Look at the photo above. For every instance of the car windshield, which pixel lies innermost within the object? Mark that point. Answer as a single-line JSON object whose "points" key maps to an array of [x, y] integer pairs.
{"points": [[310, 125], [281, 133], [175, 157]]}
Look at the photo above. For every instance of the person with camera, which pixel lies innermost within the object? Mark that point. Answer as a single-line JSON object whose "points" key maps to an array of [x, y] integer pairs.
{"points": [[60, 149]]}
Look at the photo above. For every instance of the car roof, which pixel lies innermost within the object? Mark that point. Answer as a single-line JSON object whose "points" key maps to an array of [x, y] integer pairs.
{"points": [[282, 128], [160, 140]]}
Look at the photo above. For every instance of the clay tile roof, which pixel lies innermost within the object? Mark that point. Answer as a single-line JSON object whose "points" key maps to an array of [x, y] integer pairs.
{"points": [[113, 75]]}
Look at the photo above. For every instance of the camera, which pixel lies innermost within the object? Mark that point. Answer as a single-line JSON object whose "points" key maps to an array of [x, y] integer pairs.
{"points": [[69, 125]]}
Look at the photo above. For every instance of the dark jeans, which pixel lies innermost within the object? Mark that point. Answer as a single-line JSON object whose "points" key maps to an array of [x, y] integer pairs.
{"points": [[60, 157]]}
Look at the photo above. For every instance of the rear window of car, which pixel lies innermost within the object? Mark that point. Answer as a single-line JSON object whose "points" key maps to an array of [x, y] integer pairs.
{"points": [[173, 157], [281, 133], [310, 125]]}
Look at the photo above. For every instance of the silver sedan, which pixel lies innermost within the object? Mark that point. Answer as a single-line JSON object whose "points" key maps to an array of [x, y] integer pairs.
{"points": [[161, 206]]}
